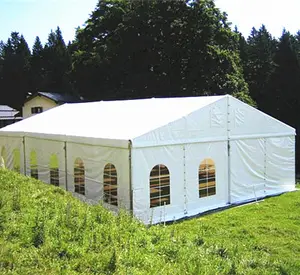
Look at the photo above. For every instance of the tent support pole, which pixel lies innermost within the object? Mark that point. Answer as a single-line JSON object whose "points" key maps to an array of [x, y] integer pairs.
{"points": [[228, 150], [130, 176], [24, 151], [66, 166]]}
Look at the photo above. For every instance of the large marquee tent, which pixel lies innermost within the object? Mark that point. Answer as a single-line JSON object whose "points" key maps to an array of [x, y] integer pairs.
{"points": [[161, 158]]}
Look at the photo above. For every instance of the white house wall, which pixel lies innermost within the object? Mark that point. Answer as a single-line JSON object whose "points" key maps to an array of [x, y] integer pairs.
{"points": [[206, 124], [95, 158], [37, 101]]}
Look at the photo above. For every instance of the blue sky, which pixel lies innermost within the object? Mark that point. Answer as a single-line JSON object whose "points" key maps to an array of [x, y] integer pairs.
{"points": [[37, 17], [275, 14]]}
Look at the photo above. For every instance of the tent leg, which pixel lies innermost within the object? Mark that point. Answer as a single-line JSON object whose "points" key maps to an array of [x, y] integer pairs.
{"points": [[66, 167], [24, 152], [130, 176], [229, 170]]}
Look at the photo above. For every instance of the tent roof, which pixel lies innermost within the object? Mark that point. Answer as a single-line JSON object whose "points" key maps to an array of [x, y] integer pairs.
{"points": [[118, 120]]}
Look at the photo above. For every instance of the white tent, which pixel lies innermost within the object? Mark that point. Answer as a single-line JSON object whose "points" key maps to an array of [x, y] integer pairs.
{"points": [[164, 159]]}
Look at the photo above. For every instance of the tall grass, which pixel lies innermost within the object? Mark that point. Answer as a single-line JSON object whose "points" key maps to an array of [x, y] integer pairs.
{"points": [[43, 229]]}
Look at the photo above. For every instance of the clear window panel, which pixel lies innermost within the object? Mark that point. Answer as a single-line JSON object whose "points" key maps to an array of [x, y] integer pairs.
{"points": [[159, 186], [207, 178]]}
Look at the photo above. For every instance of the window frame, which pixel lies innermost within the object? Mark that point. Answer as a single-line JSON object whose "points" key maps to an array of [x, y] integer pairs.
{"points": [[36, 110], [79, 176], [207, 185], [3, 157], [159, 184], [16, 160], [110, 184], [54, 170], [34, 172]]}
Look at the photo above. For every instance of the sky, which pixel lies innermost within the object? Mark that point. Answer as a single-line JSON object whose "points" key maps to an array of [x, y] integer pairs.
{"points": [[274, 14], [38, 17]]}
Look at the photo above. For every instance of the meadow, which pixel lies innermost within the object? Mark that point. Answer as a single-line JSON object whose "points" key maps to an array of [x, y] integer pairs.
{"points": [[44, 229]]}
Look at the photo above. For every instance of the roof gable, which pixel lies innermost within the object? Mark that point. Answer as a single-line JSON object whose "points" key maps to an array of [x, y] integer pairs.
{"points": [[248, 121]]}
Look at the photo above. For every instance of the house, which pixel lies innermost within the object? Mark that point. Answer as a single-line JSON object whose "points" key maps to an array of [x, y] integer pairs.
{"points": [[163, 159], [8, 115], [42, 101]]}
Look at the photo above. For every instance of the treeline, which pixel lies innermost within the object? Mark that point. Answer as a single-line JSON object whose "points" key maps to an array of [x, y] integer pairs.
{"points": [[130, 49], [46, 67], [160, 48]]}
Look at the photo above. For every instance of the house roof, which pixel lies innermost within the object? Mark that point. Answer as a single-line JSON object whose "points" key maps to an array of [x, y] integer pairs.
{"points": [[121, 120], [56, 97], [7, 112]]}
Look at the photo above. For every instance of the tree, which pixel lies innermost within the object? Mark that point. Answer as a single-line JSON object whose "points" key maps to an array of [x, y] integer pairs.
{"points": [[37, 62], [257, 56], [134, 49], [284, 89], [15, 57], [57, 63]]}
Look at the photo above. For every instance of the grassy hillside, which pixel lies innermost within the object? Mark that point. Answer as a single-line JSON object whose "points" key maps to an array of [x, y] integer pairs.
{"points": [[44, 230]]}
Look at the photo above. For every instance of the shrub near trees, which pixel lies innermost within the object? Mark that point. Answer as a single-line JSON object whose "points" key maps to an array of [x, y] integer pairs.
{"points": [[137, 49]]}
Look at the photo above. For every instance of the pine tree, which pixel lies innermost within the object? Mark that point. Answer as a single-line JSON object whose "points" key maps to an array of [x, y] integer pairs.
{"points": [[57, 63], [15, 70], [284, 90], [258, 55], [38, 70]]}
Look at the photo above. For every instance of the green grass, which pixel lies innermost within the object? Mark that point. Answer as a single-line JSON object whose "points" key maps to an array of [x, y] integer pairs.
{"points": [[44, 230]]}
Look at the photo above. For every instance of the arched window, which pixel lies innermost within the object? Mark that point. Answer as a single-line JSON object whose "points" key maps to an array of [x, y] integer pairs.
{"points": [[159, 186], [3, 157], [79, 177], [33, 165], [110, 179], [17, 160], [54, 172], [207, 178]]}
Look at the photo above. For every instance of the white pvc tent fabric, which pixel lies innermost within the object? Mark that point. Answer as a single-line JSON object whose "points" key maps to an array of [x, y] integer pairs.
{"points": [[253, 153]]}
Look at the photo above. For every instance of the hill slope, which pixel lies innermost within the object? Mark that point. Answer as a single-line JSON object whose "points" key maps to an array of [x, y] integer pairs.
{"points": [[43, 229]]}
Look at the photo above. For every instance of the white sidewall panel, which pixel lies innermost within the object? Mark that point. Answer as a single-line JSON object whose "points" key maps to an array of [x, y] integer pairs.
{"points": [[143, 160], [194, 155], [95, 158], [280, 165], [10, 144], [44, 149], [247, 166]]}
